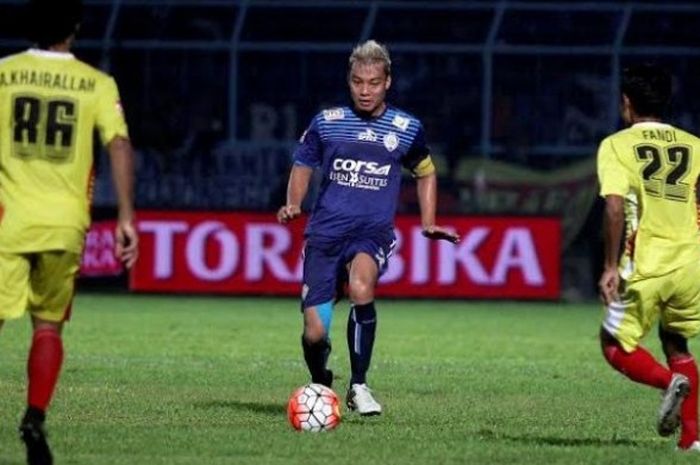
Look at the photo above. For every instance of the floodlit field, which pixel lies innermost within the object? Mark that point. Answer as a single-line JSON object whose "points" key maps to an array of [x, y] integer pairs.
{"points": [[180, 380]]}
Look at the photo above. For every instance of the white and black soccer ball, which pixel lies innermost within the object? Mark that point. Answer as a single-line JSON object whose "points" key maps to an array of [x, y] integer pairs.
{"points": [[314, 408]]}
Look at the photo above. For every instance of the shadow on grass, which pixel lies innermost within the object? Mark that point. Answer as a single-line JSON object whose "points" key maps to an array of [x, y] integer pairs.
{"points": [[256, 407], [554, 441]]}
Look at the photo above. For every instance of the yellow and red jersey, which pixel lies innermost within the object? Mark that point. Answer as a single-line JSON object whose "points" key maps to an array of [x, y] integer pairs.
{"points": [[50, 105]]}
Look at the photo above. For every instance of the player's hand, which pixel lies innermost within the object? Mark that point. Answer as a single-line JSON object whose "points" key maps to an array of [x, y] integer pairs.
{"points": [[608, 285], [127, 247], [630, 243], [440, 233], [288, 213]]}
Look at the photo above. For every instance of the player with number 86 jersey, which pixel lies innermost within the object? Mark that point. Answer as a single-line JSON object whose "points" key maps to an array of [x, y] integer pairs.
{"points": [[49, 103]]}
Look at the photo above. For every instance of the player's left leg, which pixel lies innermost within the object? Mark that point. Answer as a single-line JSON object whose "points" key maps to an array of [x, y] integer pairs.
{"points": [[361, 329], [43, 367], [626, 322], [52, 283]]}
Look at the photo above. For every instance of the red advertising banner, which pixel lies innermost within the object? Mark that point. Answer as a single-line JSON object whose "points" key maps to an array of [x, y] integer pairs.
{"points": [[98, 257], [250, 253]]}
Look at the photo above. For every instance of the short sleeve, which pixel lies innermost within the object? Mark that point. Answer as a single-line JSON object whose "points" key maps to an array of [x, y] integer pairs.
{"points": [[612, 175], [110, 115], [418, 151], [309, 152]]}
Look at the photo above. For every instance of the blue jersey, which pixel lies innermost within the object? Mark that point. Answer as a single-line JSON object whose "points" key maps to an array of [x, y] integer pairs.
{"points": [[361, 160]]}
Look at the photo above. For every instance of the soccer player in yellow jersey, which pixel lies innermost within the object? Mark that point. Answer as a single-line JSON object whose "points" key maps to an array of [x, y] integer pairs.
{"points": [[650, 171], [50, 104]]}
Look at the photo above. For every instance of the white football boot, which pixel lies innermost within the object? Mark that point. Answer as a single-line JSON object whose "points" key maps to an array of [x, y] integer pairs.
{"points": [[669, 413], [693, 449], [360, 399]]}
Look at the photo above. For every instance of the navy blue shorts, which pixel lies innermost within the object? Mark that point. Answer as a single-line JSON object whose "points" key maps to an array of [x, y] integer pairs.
{"points": [[325, 264]]}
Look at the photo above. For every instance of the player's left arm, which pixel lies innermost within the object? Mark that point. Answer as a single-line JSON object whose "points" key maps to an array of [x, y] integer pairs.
{"points": [[613, 227], [421, 165], [614, 185]]}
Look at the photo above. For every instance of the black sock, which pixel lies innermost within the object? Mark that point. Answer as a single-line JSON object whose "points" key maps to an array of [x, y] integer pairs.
{"points": [[316, 357], [362, 324]]}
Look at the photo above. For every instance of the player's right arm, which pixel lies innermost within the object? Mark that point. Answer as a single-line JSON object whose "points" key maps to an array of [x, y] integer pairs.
{"points": [[121, 157], [307, 157], [297, 188], [115, 136], [614, 185]]}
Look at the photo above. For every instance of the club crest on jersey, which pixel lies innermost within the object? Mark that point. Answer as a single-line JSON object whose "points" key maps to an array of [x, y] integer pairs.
{"points": [[391, 141], [401, 122], [333, 114], [367, 135]]}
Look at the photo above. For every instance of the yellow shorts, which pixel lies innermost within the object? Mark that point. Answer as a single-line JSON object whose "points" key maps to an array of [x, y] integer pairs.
{"points": [[674, 297], [41, 282]]}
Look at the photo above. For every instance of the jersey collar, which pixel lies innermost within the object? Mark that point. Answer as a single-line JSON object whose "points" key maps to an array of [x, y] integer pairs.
{"points": [[367, 117], [51, 54], [652, 124]]}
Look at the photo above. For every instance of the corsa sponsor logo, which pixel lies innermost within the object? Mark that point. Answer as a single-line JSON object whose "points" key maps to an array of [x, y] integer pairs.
{"points": [[248, 253], [360, 166], [360, 174]]}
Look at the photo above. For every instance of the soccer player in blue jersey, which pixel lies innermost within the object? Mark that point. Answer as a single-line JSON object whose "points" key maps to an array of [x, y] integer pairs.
{"points": [[350, 236]]}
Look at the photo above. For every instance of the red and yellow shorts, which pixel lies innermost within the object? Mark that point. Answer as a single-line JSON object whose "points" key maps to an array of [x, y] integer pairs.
{"points": [[41, 282]]}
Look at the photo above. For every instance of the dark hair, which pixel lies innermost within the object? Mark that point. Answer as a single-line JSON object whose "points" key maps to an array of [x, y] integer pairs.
{"points": [[50, 22], [648, 87]]}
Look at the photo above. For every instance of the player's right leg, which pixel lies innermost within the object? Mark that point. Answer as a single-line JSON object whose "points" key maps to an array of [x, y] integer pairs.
{"points": [[679, 407], [319, 286], [316, 343], [680, 320]]}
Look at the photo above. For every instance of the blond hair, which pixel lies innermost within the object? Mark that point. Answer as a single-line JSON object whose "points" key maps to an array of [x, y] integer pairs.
{"points": [[370, 52]]}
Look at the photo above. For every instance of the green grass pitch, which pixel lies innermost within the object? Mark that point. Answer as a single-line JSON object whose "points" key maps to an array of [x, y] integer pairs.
{"points": [[183, 380]]}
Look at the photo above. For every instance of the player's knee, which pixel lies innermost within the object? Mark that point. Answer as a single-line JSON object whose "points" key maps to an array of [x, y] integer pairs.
{"points": [[42, 326], [313, 333], [672, 343], [361, 292]]}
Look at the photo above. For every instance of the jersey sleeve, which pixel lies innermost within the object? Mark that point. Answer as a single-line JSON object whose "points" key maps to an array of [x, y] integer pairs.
{"points": [[110, 115], [612, 175], [417, 159], [309, 152]]}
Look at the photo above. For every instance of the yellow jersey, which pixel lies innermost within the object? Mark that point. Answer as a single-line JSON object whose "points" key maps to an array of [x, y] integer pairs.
{"points": [[655, 167], [50, 105]]}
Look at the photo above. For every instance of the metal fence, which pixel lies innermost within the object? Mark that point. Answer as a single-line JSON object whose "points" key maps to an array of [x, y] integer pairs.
{"points": [[217, 91]]}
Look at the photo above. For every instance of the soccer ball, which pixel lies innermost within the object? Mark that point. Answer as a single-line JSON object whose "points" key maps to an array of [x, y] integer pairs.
{"points": [[314, 408]]}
